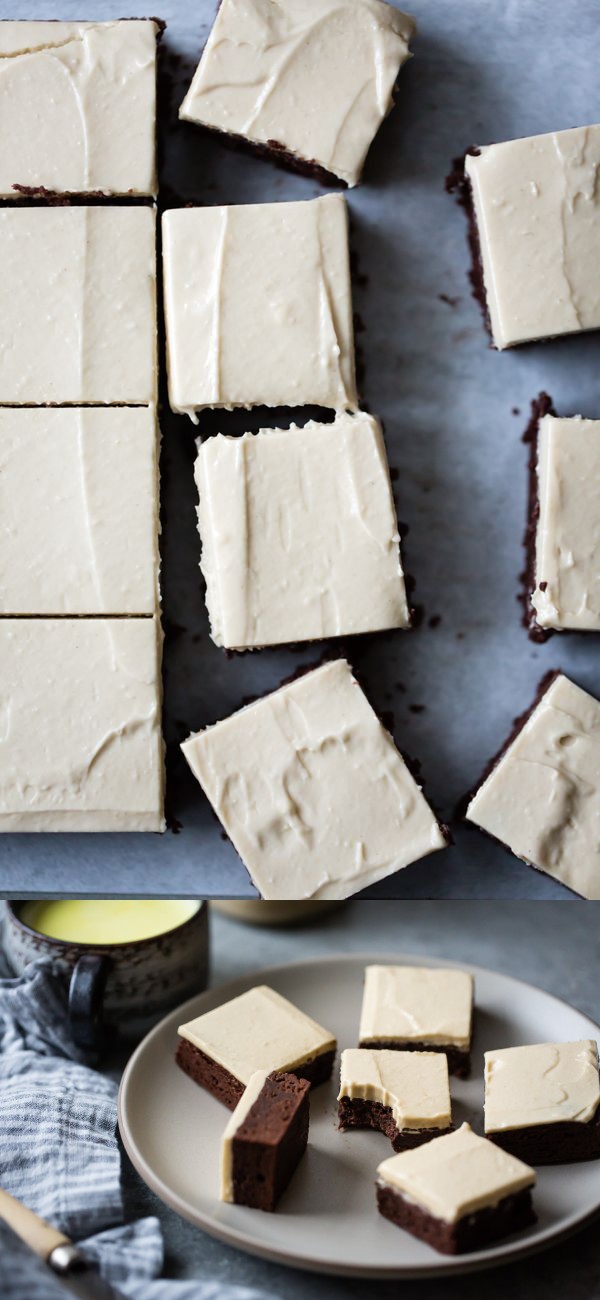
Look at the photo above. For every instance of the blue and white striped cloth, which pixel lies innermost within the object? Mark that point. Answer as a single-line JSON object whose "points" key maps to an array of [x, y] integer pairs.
{"points": [[59, 1154]]}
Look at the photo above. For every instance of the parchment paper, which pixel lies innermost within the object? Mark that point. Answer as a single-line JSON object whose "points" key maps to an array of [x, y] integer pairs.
{"points": [[453, 410]]}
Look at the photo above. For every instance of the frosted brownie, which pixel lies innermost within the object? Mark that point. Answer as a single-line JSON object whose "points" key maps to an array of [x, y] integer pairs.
{"points": [[299, 534], [307, 83], [81, 739], [312, 791], [259, 1030], [78, 107], [413, 1008], [541, 795], [78, 305], [457, 1193], [562, 540], [75, 538], [258, 305], [264, 1140], [535, 207], [405, 1095], [542, 1103]]}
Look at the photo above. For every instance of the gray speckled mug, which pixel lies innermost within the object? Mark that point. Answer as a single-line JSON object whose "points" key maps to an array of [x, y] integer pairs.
{"points": [[123, 987]]}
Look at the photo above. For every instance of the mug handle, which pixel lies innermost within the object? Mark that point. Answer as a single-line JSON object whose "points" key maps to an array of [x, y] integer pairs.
{"points": [[86, 996]]}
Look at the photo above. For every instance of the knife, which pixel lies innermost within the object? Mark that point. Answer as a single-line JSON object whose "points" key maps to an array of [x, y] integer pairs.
{"points": [[77, 1274]]}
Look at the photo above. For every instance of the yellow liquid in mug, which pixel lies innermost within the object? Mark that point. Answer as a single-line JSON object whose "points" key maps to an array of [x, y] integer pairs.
{"points": [[107, 920]]}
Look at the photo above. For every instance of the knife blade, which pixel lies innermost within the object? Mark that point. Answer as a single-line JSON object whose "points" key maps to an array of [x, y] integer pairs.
{"points": [[77, 1274]]}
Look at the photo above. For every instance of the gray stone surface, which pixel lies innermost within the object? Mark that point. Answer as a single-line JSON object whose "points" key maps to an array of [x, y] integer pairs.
{"points": [[555, 947]]}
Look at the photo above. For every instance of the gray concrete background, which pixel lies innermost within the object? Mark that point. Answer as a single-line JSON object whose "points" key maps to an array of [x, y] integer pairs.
{"points": [[553, 947], [481, 72]]}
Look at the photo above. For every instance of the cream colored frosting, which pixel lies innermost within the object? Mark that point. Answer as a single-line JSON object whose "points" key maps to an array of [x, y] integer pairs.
{"points": [[299, 534], [312, 790], [413, 1084], [77, 304], [548, 1083], [537, 205], [80, 739], [567, 559], [78, 106], [542, 798], [258, 305], [456, 1174], [75, 538], [316, 76], [251, 1094], [259, 1030], [416, 1004]]}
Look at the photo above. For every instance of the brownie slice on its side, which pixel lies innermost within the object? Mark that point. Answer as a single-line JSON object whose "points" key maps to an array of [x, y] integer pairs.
{"points": [[457, 1193], [264, 1140]]}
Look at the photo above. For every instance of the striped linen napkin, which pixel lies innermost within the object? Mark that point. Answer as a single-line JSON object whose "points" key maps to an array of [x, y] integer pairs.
{"points": [[59, 1153]]}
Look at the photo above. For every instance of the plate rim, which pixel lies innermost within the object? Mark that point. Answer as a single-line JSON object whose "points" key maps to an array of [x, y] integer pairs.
{"points": [[492, 1257]]}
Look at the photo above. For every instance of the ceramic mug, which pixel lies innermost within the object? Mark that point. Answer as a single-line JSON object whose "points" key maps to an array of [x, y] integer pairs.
{"points": [[122, 987]]}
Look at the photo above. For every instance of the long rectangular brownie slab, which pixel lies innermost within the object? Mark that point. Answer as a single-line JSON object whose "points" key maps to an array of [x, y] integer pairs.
{"points": [[264, 1140]]}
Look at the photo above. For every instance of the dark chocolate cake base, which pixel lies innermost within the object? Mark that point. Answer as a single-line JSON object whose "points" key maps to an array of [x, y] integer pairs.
{"points": [[356, 1112], [458, 184], [459, 1058], [270, 1143], [225, 1087], [565, 1143], [540, 406], [473, 1232]]}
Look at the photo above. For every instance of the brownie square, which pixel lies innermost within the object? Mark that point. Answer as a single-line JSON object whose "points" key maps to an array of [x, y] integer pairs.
{"points": [[312, 791], [82, 746], [79, 107], [259, 1030], [318, 505], [536, 233], [542, 1102], [305, 85], [75, 538], [405, 1095], [541, 795], [457, 1193], [78, 305], [264, 1140], [258, 305], [562, 538]]}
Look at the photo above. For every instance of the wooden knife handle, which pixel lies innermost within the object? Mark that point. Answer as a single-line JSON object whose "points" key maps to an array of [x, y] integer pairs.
{"points": [[35, 1232]]}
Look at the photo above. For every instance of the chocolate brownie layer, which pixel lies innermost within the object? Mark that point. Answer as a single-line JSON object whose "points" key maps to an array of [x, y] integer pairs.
{"points": [[566, 1142], [225, 1087], [208, 1074], [355, 1112], [473, 1232], [459, 1058], [458, 183], [269, 1144], [540, 406]]}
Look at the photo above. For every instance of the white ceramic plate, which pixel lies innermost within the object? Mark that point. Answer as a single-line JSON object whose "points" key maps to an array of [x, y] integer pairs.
{"points": [[327, 1220]]}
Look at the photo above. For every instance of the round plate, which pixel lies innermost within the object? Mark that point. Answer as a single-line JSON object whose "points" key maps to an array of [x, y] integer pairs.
{"points": [[327, 1220]]}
